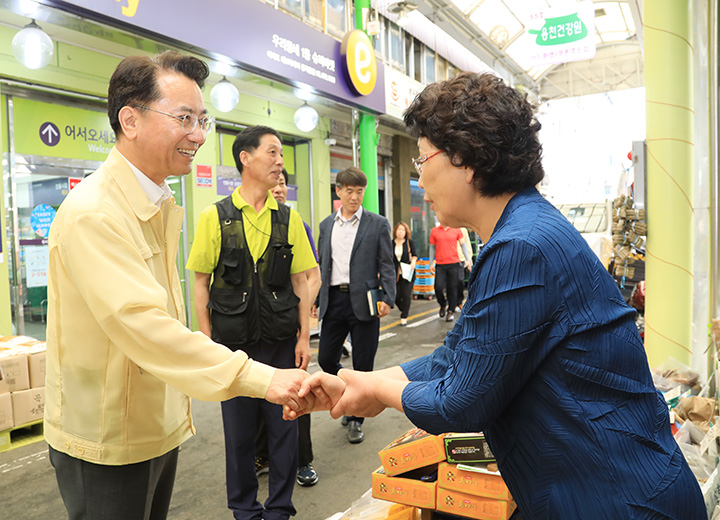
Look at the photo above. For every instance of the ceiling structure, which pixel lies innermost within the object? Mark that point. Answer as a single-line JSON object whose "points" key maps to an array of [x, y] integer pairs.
{"points": [[496, 32]]}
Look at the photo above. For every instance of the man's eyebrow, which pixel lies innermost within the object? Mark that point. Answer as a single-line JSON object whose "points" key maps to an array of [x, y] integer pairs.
{"points": [[186, 108]]}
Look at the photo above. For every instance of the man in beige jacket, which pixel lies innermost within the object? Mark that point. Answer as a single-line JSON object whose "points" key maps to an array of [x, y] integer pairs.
{"points": [[120, 361]]}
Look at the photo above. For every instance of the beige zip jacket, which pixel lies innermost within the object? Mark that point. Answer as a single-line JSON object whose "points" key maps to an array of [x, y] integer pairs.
{"points": [[120, 361]]}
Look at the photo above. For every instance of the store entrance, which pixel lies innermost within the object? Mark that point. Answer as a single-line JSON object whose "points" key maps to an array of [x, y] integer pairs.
{"points": [[52, 144], [37, 187]]}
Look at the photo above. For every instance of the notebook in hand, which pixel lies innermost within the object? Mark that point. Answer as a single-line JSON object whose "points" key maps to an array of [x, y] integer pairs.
{"points": [[374, 300]]}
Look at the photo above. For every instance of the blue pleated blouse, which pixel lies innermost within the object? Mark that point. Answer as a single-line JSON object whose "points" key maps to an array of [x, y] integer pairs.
{"points": [[547, 361]]}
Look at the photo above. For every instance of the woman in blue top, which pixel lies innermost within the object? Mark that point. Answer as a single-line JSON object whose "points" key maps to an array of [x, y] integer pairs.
{"points": [[545, 358]]}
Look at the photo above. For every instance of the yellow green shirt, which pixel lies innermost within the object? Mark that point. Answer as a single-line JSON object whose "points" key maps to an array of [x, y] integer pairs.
{"points": [[205, 251]]}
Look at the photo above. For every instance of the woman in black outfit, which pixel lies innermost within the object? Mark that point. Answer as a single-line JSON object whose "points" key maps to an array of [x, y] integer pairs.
{"points": [[404, 253]]}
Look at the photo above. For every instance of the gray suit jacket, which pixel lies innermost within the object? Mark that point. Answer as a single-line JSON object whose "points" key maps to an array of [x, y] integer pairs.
{"points": [[372, 256]]}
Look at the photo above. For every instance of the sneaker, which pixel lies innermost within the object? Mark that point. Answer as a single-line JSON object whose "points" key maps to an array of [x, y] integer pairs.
{"points": [[449, 316], [347, 349], [442, 312], [403, 322], [262, 466], [307, 476]]}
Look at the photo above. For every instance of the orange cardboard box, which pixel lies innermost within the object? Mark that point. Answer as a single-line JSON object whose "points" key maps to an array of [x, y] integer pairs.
{"points": [[412, 450], [472, 506], [403, 490], [481, 482]]}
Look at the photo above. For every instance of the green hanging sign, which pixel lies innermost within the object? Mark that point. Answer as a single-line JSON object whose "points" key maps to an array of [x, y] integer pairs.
{"points": [[560, 30], [61, 131]]}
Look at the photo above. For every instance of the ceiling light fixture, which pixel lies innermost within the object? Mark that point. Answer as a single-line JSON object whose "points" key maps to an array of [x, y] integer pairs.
{"points": [[224, 95], [402, 10], [306, 118], [33, 47]]}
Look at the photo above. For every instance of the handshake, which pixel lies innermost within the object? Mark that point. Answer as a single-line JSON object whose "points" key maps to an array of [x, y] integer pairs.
{"points": [[348, 393]]}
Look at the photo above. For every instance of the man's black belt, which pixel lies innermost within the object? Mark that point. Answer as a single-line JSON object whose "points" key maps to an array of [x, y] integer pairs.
{"points": [[343, 287]]}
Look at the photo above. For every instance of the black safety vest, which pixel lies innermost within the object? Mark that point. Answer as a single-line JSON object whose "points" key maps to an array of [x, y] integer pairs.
{"points": [[252, 301]]}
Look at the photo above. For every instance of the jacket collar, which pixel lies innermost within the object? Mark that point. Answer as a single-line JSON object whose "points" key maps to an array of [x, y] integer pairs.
{"points": [[119, 169]]}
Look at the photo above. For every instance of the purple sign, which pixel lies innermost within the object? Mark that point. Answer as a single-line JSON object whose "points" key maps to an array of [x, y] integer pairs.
{"points": [[266, 40], [49, 133]]}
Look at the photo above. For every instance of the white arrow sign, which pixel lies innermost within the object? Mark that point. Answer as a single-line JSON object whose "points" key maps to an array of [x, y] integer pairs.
{"points": [[51, 132]]}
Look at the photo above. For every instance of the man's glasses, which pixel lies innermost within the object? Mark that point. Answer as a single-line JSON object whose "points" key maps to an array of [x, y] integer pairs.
{"points": [[189, 121], [423, 159]]}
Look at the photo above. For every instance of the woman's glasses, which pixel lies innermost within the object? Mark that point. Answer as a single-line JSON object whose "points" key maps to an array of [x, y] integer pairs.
{"points": [[423, 159]]}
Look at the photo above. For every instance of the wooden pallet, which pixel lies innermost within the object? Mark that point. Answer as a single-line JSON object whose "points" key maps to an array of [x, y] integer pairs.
{"points": [[21, 435]]}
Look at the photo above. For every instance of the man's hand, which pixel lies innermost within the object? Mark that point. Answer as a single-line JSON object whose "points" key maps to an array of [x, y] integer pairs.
{"points": [[284, 388], [384, 310], [313, 311], [302, 353], [468, 265], [359, 397], [323, 389]]}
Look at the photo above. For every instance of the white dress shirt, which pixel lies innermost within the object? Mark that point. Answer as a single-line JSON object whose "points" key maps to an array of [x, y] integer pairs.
{"points": [[341, 244]]}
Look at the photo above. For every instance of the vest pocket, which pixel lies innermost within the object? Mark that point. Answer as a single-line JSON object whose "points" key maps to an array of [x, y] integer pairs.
{"points": [[233, 265], [281, 263], [230, 318]]}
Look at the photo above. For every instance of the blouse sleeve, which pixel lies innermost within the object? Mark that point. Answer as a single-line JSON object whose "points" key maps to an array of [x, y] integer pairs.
{"points": [[493, 350], [412, 249]]}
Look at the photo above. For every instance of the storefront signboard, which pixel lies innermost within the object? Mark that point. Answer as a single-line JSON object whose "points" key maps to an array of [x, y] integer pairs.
{"points": [[60, 131], [562, 34], [204, 176], [400, 90], [271, 42]]}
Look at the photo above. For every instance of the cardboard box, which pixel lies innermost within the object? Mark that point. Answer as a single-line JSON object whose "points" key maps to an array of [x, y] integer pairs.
{"points": [[412, 450], [15, 370], [467, 448], [472, 506], [6, 412], [36, 367], [480, 482], [409, 490], [28, 405]]}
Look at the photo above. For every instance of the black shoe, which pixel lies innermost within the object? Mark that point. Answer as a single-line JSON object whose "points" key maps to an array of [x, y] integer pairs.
{"points": [[262, 466], [355, 434], [442, 312], [449, 316], [344, 420], [307, 476]]}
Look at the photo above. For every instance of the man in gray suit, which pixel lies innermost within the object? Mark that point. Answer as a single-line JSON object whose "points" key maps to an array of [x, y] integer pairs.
{"points": [[355, 252]]}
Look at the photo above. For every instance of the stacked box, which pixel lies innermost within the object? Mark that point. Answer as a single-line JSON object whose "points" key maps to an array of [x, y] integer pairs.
{"points": [[480, 481], [409, 489], [28, 405], [467, 448], [22, 381], [472, 506], [412, 450], [6, 412]]}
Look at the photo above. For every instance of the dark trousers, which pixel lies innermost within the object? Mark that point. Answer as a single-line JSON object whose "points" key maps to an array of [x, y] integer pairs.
{"points": [[403, 296], [138, 491], [461, 283], [340, 319], [305, 451], [240, 417], [446, 277]]}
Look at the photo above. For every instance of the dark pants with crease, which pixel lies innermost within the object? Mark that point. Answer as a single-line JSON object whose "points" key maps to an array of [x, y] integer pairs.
{"points": [[139, 491], [446, 277], [340, 319], [240, 425], [305, 451]]}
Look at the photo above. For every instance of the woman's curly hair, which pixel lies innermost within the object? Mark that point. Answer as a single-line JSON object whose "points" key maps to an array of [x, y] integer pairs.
{"points": [[481, 123]]}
